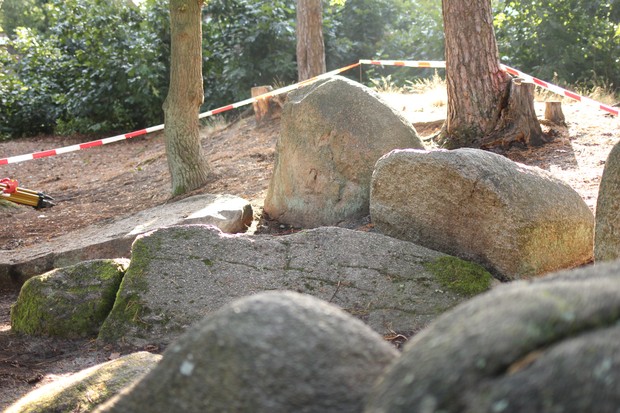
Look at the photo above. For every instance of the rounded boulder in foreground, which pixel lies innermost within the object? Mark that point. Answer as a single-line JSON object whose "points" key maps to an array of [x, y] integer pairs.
{"points": [[548, 346], [270, 352]]}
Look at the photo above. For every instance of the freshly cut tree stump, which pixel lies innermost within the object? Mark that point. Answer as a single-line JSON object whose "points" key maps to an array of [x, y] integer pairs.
{"points": [[518, 123], [553, 112], [261, 107]]}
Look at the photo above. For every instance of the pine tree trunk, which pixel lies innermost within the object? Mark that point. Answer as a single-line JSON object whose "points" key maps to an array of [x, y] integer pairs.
{"points": [[310, 44], [186, 162], [478, 90]]}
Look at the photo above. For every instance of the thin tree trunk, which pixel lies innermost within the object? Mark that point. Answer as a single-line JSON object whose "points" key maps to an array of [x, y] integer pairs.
{"points": [[186, 162], [310, 44], [478, 90]]}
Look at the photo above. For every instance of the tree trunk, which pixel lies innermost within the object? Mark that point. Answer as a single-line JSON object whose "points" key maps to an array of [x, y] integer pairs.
{"points": [[553, 113], [262, 106], [310, 44], [518, 123], [186, 162], [478, 90]]}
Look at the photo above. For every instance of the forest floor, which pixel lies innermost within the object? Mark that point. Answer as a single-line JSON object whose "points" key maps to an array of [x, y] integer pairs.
{"points": [[119, 179]]}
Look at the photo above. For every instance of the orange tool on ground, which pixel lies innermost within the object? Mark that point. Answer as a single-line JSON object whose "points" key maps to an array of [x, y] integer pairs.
{"points": [[11, 192]]}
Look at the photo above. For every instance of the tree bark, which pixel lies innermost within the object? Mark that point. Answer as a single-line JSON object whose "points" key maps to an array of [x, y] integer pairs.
{"points": [[478, 90], [262, 106], [310, 44], [186, 162], [553, 113], [518, 122]]}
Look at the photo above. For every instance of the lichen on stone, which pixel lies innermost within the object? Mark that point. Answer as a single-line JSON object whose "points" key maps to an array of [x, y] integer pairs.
{"points": [[459, 276]]}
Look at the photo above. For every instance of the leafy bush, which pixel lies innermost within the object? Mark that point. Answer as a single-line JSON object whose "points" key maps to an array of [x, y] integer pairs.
{"points": [[30, 97], [99, 67], [579, 40], [247, 43]]}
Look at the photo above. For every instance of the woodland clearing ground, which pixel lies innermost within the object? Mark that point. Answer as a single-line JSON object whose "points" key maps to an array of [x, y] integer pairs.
{"points": [[102, 183]]}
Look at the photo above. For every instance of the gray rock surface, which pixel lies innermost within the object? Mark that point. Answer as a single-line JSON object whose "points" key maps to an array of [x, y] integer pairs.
{"points": [[517, 221], [113, 239], [607, 230], [68, 302], [333, 132], [552, 345], [180, 274], [84, 391], [271, 352]]}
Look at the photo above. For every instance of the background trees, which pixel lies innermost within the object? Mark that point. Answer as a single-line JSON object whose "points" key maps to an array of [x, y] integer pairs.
{"points": [[577, 41], [99, 66], [486, 108], [186, 162], [310, 44]]}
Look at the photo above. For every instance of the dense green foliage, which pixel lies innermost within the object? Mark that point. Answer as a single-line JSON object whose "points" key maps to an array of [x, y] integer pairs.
{"points": [[100, 66], [579, 40]]}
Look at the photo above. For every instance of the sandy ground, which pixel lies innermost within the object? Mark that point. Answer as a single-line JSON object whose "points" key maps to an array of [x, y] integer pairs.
{"points": [[101, 183]]}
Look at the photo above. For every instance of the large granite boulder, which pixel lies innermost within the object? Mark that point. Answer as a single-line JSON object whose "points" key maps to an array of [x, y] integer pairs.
{"points": [[552, 345], [607, 232], [180, 274], [333, 132], [84, 391], [271, 352], [515, 220], [113, 239], [68, 302]]}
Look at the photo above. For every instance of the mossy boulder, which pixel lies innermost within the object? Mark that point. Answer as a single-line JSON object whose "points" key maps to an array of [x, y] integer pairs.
{"points": [[68, 302], [84, 391], [178, 275]]}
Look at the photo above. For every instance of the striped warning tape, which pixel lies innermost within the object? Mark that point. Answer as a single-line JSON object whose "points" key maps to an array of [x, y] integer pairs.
{"points": [[86, 145], [560, 91], [403, 63], [528, 78]]}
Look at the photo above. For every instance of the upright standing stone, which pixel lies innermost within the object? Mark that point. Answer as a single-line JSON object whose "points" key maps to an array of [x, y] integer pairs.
{"points": [[607, 230], [333, 132]]}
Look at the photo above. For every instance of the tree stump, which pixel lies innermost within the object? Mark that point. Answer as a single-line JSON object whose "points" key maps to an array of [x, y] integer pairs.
{"points": [[261, 107], [518, 123], [553, 112]]}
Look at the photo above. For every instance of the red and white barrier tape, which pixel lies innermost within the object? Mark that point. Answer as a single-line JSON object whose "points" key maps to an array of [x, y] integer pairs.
{"points": [[72, 148], [404, 63], [528, 78], [560, 91], [86, 145]]}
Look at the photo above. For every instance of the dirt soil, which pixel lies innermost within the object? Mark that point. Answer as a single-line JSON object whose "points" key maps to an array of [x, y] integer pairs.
{"points": [[119, 179]]}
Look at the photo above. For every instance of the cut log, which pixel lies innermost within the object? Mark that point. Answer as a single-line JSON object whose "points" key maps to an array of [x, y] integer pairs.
{"points": [[518, 123], [261, 107], [553, 113]]}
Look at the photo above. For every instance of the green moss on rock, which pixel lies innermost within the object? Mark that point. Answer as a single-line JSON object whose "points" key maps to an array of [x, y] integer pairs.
{"points": [[128, 307], [68, 302], [87, 389], [459, 276]]}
